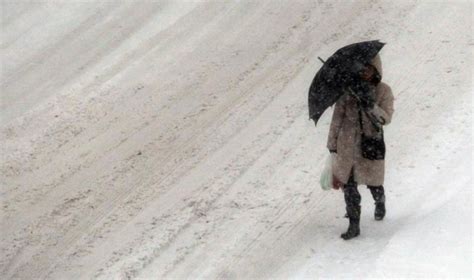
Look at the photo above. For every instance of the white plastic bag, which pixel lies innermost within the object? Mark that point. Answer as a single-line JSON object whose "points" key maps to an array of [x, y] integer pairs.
{"points": [[326, 176]]}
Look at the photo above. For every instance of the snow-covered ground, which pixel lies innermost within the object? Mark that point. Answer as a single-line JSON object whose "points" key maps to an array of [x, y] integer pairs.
{"points": [[170, 139]]}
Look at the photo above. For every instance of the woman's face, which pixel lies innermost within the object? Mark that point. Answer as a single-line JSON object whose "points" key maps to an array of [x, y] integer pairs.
{"points": [[367, 73]]}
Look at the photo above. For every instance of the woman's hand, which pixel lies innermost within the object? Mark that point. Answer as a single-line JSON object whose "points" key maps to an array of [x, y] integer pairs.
{"points": [[367, 103], [336, 184]]}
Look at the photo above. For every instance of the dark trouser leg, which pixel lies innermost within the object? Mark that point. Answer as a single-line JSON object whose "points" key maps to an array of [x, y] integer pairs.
{"points": [[352, 199], [378, 194]]}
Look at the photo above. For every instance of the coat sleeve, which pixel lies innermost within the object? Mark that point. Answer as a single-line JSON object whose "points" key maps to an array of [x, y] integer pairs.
{"points": [[336, 124], [383, 110]]}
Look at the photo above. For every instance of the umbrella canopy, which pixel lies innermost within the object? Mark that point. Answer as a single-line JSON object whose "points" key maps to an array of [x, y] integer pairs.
{"points": [[339, 72]]}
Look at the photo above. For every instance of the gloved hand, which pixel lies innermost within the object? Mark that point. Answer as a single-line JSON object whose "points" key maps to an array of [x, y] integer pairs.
{"points": [[367, 103], [365, 93]]}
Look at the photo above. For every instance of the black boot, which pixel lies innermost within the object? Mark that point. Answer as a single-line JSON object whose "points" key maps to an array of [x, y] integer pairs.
{"points": [[352, 199], [378, 194], [354, 228]]}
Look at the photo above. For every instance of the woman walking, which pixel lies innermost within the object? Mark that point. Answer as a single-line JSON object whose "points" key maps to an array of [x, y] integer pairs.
{"points": [[356, 138]]}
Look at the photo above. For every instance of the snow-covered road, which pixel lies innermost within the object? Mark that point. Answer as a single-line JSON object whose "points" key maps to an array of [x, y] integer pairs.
{"points": [[170, 139]]}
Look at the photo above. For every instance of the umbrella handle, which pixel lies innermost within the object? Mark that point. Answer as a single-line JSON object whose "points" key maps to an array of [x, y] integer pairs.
{"points": [[374, 122], [351, 92]]}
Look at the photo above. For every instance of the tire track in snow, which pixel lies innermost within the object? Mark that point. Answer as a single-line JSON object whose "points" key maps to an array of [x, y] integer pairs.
{"points": [[221, 121], [81, 229]]}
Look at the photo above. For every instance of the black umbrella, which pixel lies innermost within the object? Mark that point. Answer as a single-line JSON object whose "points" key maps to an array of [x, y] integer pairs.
{"points": [[339, 72]]}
